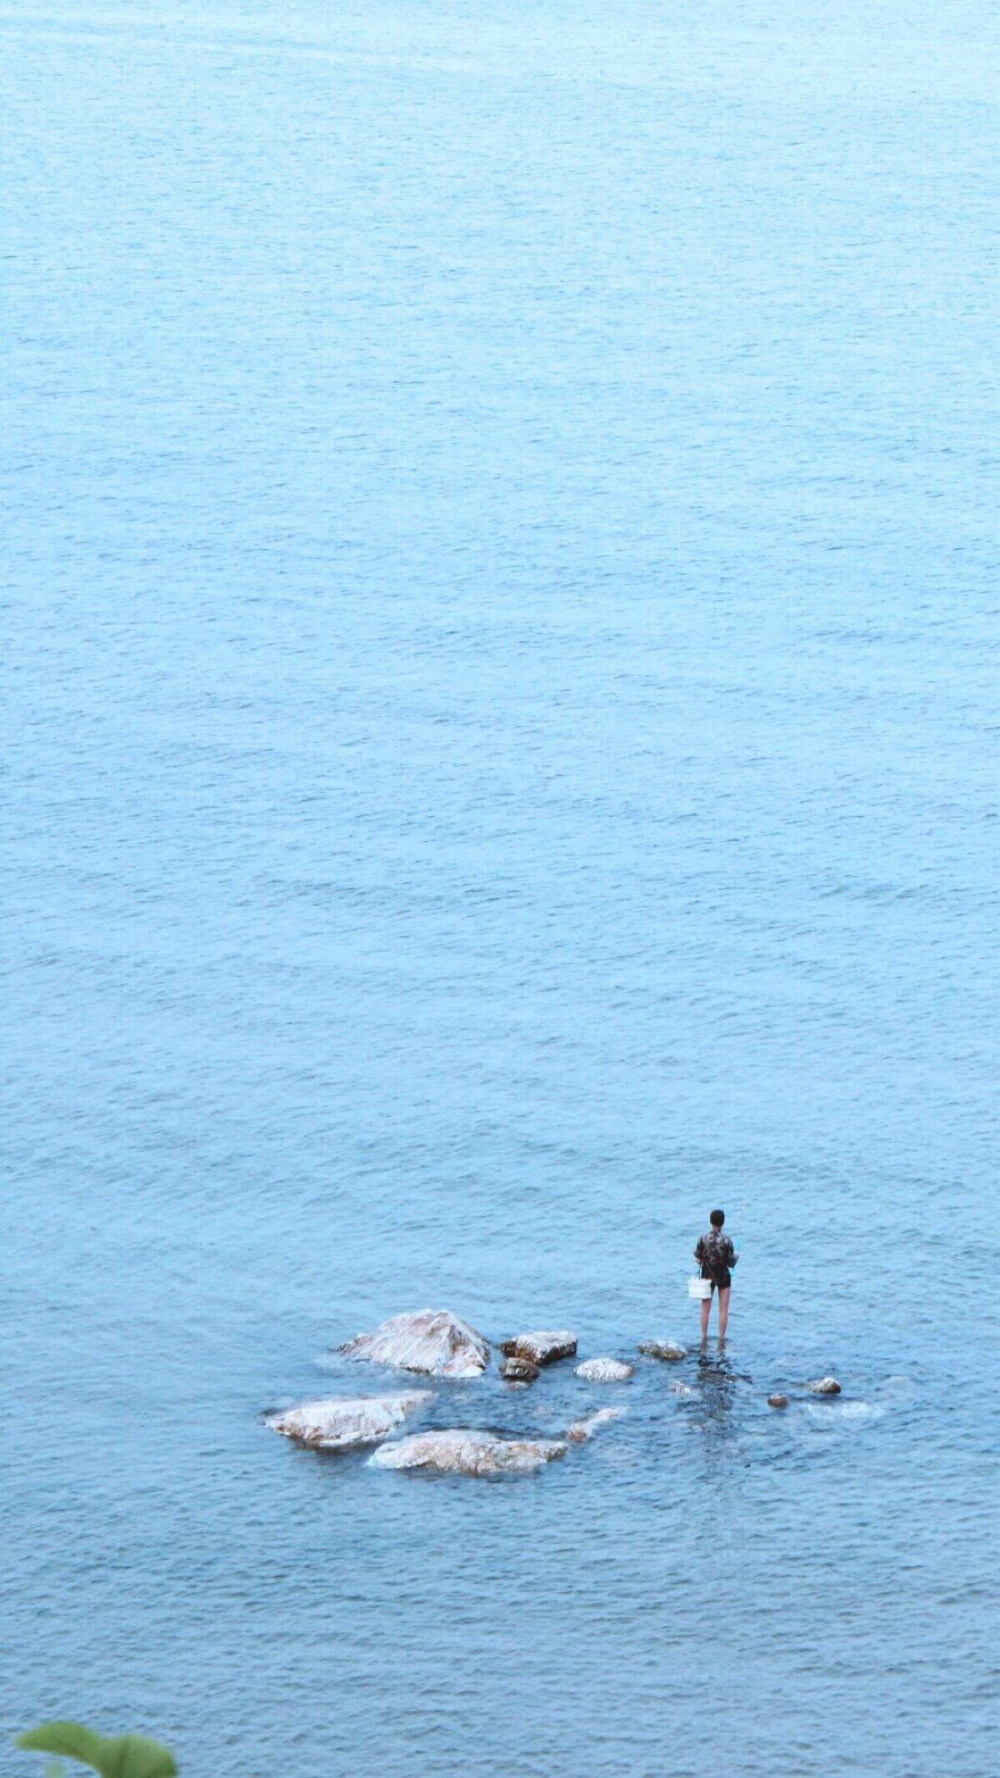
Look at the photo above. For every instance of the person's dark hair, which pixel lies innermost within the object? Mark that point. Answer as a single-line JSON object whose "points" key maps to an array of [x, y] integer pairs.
{"points": [[717, 1218]]}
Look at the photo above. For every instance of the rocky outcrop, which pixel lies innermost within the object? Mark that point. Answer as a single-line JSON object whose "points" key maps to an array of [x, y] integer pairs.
{"points": [[823, 1386], [668, 1350], [541, 1348], [519, 1370], [431, 1340], [461, 1451], [341, 1421], [605, 1370], [582, 1430], [777, 1401]]}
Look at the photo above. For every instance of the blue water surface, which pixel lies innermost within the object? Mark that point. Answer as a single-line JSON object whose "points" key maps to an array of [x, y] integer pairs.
{"points": [[501, 667]]}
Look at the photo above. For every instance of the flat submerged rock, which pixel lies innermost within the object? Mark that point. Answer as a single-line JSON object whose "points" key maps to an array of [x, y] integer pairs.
{"points": [[432, 1341], [542, 1347], [340, 1421], [667, 1350], [583, 1430], [463, 1451]]}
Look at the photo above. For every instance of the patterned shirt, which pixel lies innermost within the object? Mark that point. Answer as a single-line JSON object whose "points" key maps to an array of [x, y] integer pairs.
{"points": [[715, 1255]]}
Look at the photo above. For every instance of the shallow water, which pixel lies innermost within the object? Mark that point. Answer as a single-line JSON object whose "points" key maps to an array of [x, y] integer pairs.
{"points": [[503, 756]]}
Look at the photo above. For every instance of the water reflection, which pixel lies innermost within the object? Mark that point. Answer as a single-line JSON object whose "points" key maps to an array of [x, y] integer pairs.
{"points": [[718, 1385]]}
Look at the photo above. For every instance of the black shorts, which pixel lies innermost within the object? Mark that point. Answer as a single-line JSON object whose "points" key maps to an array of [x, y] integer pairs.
{"points": [[722, 1280]]}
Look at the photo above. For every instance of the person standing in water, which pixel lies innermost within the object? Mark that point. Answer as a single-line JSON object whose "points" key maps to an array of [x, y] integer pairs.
{"points": [[716, 1256]]}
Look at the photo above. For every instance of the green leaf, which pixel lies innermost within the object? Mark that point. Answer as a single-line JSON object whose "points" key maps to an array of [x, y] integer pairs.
{"points": [[68, 1738], [128, 1756], [134, 1756]]}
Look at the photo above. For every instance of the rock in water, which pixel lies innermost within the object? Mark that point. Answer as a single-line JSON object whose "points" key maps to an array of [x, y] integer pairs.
{"points": [[431, 1340], [824, 1386], [668, 1350], [541, 1348], [519, 1370], [605, 1370], [341, 1421], [777, 1401], [461, 1451], [582, 1430]]}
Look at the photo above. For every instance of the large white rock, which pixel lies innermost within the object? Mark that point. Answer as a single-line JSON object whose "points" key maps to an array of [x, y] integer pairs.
{"points": [[824, 1386], [542, 1347], [431, 1340], [582, 1430], [605, 1370], [461, 1451], [342, 1420]]}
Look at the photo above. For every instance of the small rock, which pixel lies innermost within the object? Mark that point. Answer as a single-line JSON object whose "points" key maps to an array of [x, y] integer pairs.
{"points": [[605, 1370], [777, 1401], [582, 1430], [681, 1389], [341, 1421], [824, 1386], [519, 1370], [668, 1350], [541, 1348], [431, 1340], [462, 1451]]}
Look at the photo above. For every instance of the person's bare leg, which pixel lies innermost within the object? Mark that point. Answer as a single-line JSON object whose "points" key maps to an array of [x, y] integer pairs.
{"points": [[723, 1312], [706, 1310]]}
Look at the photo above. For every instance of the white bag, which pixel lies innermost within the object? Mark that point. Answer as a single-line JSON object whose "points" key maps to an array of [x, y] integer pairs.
{"points": [[699, 1289]]}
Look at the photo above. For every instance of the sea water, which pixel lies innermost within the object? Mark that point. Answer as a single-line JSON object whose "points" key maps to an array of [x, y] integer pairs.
{"points": [[502, 759]]}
